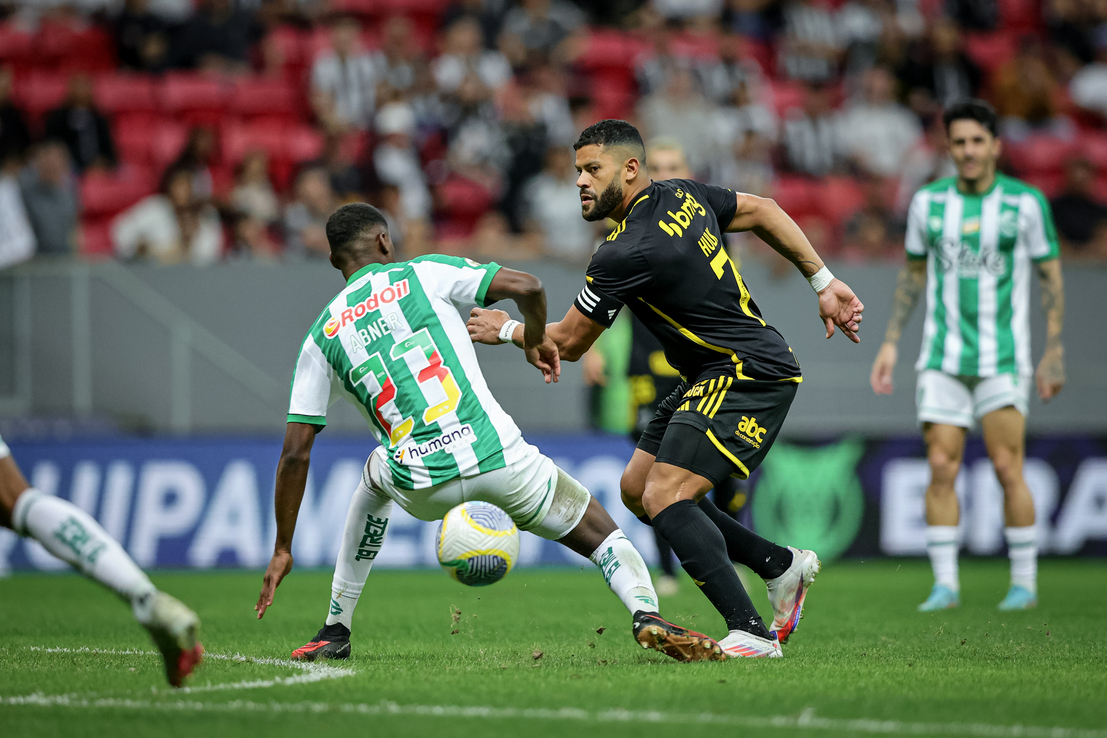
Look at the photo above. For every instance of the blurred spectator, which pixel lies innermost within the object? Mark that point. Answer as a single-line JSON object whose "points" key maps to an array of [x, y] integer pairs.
{"points": [[344, 80], [197, 159], [756, 19], [810, 132], [50, 196], [552, 206], [396, 162], [15, 137], [141, 37], [253, 194], [974, 15], [811, 46], [81, 127], [1081, 219], [463, 55], [746, 132], [478, 149], [1072, 26], [927, 161], [305, 219], [489, 14], [1025, 93], [678, 9], [734, 68], [938, 72], [525, 141], [536, 27], [544, 89], [680, 111], [217, 37], [252, 239], [665, 160], [873, 233], [876, 132], [1088, 87], [860, 26], [399, 60], [338, 160], [170, 227], [17, 239]]}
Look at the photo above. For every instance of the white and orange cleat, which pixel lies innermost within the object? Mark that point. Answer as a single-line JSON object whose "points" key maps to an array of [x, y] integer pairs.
{"points": [[740, 644], [788, 591]]}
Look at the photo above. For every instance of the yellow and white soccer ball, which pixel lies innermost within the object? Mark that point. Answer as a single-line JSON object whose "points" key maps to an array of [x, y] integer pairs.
{"points": [[477, 543]]}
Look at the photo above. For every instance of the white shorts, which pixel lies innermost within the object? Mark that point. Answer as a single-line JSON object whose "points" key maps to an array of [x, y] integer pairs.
{"points": [[534, 492], [948, 400]]}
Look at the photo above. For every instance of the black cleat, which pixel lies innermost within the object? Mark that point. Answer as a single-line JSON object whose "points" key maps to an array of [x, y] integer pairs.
{"points": [[652, 631], [332, 642]]}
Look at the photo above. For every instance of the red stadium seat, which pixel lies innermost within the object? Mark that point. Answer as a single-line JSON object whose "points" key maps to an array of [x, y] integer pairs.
{"points": [[1050, 183], [837, 198], [41, 92], [991, 50], [695, 46], [193, 98], [1093, 147], [126, 93], [16, 47], [1024, 16], [795, 195], [1040, 154], [303, 143], [462, 202], [786, 95], [255, 98], [104, 194], [356, 7], [167, 141], [76, 49], [96, 239]]}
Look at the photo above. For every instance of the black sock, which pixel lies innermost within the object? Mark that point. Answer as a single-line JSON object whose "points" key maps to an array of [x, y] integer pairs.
{"points": [[745, 547], [701, 549], [664, 553]]}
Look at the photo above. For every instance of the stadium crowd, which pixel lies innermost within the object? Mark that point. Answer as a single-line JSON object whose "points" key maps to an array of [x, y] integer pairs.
{"points": [[202, 131]]}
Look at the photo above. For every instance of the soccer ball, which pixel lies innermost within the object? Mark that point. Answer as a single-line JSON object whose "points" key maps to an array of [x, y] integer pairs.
{"points": [[477, 543]]}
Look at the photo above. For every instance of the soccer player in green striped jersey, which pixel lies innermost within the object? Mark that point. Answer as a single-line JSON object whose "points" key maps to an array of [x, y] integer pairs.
{"points": [[393, 344], [971, 242]]}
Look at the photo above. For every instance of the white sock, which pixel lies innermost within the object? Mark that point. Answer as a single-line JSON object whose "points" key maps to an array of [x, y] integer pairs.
{"points": [[941, 546], [1022, 547], [625, 572], [362, 539], [71, 534]]}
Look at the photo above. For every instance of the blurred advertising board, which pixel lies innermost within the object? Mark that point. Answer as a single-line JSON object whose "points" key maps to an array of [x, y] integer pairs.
{"points": [[208, 502]]}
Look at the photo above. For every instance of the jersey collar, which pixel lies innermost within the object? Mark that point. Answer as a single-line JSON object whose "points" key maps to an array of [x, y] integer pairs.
{"points": [[367, 269]]}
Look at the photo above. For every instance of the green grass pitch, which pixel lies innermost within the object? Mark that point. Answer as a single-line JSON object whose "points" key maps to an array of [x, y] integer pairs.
{"points": [[528, 658]]}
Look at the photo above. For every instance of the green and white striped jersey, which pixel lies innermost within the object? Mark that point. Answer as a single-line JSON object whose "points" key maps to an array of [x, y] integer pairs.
{"points": [[978, 250], [393, 344]]}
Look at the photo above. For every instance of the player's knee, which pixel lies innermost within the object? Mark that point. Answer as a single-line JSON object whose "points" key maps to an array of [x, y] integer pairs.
{"points": [[632, 487], [1008, 466], [944, 465]]}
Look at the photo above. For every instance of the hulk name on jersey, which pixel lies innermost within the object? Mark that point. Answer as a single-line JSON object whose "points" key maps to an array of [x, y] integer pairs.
{"points": [[393, 344], [978, 250]]}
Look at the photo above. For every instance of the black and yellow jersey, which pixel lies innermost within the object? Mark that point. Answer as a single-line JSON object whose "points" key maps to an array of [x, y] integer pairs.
{"points": [[667, 262]]}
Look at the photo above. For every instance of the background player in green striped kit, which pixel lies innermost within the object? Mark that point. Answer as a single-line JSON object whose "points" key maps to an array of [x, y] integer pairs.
{"points": [[393, 344], [970, 243]]}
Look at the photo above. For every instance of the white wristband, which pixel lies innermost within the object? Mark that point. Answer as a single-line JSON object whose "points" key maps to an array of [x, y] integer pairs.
{"points": [[821, 279], [507, 331]]}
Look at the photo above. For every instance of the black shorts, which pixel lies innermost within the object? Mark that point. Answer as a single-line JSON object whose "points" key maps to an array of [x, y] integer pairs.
{"points": [[718, 426]]}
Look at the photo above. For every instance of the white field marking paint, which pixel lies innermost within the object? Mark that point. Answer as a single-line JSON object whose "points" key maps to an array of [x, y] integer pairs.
{"points": [[312, 672], [806, 720]]}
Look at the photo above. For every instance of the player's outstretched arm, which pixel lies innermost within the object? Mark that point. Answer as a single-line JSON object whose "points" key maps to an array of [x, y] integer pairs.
{"points": [[1051, 369], [529, 294], [838, 306], [573, 335], [289, 492], [909, 285]]}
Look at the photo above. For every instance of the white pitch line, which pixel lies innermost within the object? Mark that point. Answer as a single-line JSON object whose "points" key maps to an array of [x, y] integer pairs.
{"points": [[312, 672], [806, 720]]}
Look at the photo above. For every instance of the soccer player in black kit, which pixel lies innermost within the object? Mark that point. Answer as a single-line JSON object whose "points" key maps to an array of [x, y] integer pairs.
{"points": [[665, 260]]}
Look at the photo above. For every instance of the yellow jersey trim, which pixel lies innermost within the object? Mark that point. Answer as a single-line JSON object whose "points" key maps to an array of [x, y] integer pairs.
{"points": [[700, 342], [734, 459], [623, 225]]}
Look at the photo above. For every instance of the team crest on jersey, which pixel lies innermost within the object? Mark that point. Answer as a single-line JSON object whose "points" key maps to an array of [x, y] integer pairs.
{"points": [[1009, 223], [388, 295], [935, 224]]}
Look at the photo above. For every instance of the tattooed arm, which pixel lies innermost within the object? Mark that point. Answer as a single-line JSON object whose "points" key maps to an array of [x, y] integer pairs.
{"points": [[909, 285], [838, 306], [1051, 369]]}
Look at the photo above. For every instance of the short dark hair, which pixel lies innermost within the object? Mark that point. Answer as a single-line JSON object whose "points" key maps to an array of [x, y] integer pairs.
{"points": [[972, 109], [350, 223], [612, 132]]}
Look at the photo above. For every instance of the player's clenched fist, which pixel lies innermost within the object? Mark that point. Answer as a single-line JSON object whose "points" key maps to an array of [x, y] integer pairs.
{"points": [[484, 325]]}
